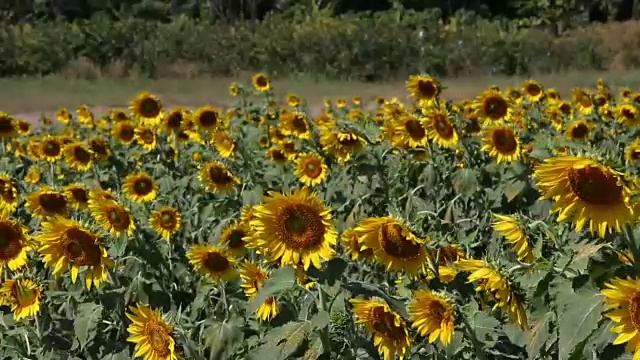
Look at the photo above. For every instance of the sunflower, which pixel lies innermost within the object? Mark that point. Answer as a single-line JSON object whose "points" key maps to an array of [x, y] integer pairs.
{"points": [[46, 202], [294, 228], [224, 144], [440, 128], [341, 103], [390, 333], [293, 100], [146, 137], [341, 144], [117, 115], [351, 241], [622, 306], [213, 262], [147, 109], [23, 296], [64, 116], [501, 142], [64, 242], [492, 106], [165, 221], [50, 148], [234, 90], [208, 118], [289, 149], [14, 244], [579, 130], [33, 175], [100, 148], [356, 100], [295, 124], [23, 127], [583, 101], [447, 256], [261, 82], [499, 288], [423, 88], [394, 245], [140, 187], [215, 177], [124, 132], [632, 154], [533, 89], [85, 116], [277, 155], [101, 194], [252, 277], [151, 334], [408, 132], [9, 197], [311, 169], [77, 156], [235, 237], [553, 96], [513, 231], [77, 195], [585, 191], [8, 126], [112, 216], [434, 315], [173, 120], [627, 114]]}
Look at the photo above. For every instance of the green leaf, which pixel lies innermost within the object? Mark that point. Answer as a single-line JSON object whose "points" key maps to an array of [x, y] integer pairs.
{"points": [[584, 252], [579, 317], [221, 338], [321, 320], [281, 279], [538, 334], [281, 342], [513, 189], [464, 182], [315, 350], [87, 317]]}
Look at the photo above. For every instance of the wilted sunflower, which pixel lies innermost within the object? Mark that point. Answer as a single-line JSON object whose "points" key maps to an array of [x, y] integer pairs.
{"points": [[390, 333], [632, 154], [50, 148], [8, 126], [252, 277], [294, 228], [498, 287], [622, 306], [351, 241], [208, 118], [261, 82], [14, 244], [140, 187], [216, 177], [294, 123], [440, 127], [64, 116], [235, 237], [393, 244], [423, 87], [213, 262], [112, 216], [627, 114], [147, 109], [311, 169], [22, 295], [224, 144], [151, 334], [434, 315], [533, 89], [9, 197], [501, 142], [77, 156], [586, 192], [64, 242], [165, 221], [124, 132], [513, 231], [146, 137], [492, 106], [46, 202], [579, 130]]}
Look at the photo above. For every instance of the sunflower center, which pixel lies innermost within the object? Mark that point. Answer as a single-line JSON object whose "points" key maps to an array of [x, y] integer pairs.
{"points": [[81, 155], [142, 186], [301, 227], [10, 245], [219, 175], [175, 120], [565, 108], [99, 147], [634, 311], [81, 248], [495, 107], [25, 296], [628, 114], [504, 141], [396, 244], [595, 186], [435, 311], [262, 82], [427, 88], [580, 131], [167, 220], [79, 195], [443, 127], [118, 217], [6, 125], [312, 169], [384, 323], [208, 118], [415, 129], [126, 132], [299, 124], [534, 90], [158, 339], [349, 140], [585, 101], [149, 108], [216, 262], [147, 136], [53, 203], [236, 239], [278, 155], [51, 148], [635, 154]]}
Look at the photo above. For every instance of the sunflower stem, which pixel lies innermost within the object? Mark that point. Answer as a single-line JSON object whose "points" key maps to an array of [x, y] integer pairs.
{"points": [[477, 345], [632, 244], [223, 299], [324, 333]]}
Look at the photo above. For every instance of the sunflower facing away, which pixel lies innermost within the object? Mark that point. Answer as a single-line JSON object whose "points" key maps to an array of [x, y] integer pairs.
{"points": [[64, 116], [22, 295], [440, 128], [147, 108], [390, 333], [492, 106], [423, 87], [77, 156], [501, 142], [67, 243], [393, 244], [261, 82], [294, 228], [311, 169], [113, 217], [213, 262], [140, 187], [252, 277], [215, 177], [351, 241], [434, 315], [235, 237], [224, 144], [124, 132], [585, 192], [513, 231], [14, 244], [165, 221], [151, 334], [622, 303], [47, 202]]}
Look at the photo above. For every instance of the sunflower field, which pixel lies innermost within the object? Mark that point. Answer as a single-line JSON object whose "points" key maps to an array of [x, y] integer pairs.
{"points": [[499, 227]]}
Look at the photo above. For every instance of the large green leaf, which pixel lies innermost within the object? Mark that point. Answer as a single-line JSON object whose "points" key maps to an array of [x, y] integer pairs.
{"points": [[538, 334], [87, 318], [283, 341], [282, 279], [221, 339], [578, 317]]}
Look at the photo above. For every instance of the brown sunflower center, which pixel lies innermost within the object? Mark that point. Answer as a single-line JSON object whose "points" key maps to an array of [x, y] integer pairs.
{"points": [[10, 245], [99, 147], [81, 248], [79, 195], [415, 129], [634, 311], [216, 262], [167, 220], [385, 323], [534, 90], [495, 107], [149, 108], [348, 140], [635, 154], [312, 168], [580, 131], [628, 114], [126, 132], [147, 136], [595, 186], [300, 227], [25, 296], [118, 217], [435, 311], [51, 148], [208, 118], [443, 127], [6, 125], [174, 121], [565, 108], [158, 339], [427, 88], [53, 203], [81, 155], [396, 244], [277, 155], [585, 101], [504, 141], [236, 239], [219, 175], [143, 186], [23, 126], [299, 124], [262, 82]]}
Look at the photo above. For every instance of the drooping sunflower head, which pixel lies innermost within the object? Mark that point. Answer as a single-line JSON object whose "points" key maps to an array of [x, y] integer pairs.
{"points": [[14, 244], [351, 241], [216, 177], [50, 148], [294, 228], [8, 126], [440, 128], [502, 143], [64, 116], [579, 130], [509, 227], [140, 187], [23, 296], [147, 109], [113, 217], [341, 144], [151, 333], [208, 118], [311, 169], [166, 221], [213, 262], [533, 89], [423, 87], [434, 315], [47, 202], [492, 106], [78, 156], [235, 238], [123, 131], [261, 82]]}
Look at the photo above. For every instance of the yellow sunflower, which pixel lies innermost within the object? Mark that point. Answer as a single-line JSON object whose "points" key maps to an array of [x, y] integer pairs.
{"points": [[140, 187], [151, 334], [622, 303], [77, 195], [113, 217], [393, 244], [434, 315], [32, 176], [165, 221], [23, 296], [124, 131], [224, 144], [501, 142], [533, 89], [261, 82], [390, 333], [213, 262], [50, 148], [553, 96], [632, 154], [579, 130], [492, 106], [423, 87], [64, 116], [173, 120], [440, 127], [77, 156], [341, 144], [67, 243], [209, 119], [235, 237], [627, 114], [586, 192], [409, 131], [234, 90], [9, 197], [515, 95], [513, 231], [47, 202], [8, 126], [85, 116], [252, 277], [23, 127], [351, 241], [276, 155], [295, 123], [215, 177], [146, 137], [311, 169], [147, 109], [14, 244], [583, 101], [447, 256], [293, 100], [341, 103], [100, 148], [294, 228], [117, 115]]}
